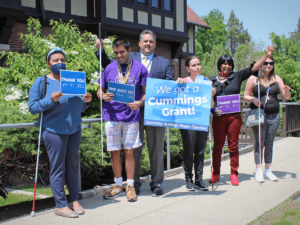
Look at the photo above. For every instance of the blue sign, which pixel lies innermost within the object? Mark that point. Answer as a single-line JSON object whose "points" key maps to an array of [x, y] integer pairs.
{"points": [[72, 82], [183, 106], [122, 92]]}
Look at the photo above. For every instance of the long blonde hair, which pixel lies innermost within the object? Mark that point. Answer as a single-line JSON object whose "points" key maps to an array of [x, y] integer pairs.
{"points": [[271, 77]]}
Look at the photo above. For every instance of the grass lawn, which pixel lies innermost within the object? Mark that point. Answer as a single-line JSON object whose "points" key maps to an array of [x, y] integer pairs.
{"points": [[15, 198], [286, 213], [39, 190]]}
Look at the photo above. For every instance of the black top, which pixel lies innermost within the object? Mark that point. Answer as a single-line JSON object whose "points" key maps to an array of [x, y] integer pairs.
{"points": [[232, 85], [272, 105]]}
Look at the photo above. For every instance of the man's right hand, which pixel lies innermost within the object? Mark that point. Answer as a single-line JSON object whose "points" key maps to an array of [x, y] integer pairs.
{"points": [[107, 96], [97, 44], [56, 95]]}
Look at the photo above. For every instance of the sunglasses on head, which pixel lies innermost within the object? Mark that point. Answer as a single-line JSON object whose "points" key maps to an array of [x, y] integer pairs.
{"points": [[271, 63]]}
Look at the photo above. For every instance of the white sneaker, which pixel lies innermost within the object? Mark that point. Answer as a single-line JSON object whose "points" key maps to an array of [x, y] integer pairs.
{"points": [[269, 175], [259, 177]]}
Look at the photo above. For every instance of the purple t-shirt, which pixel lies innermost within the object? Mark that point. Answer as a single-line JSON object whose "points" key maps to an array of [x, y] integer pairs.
{"points": [[120, 112]]}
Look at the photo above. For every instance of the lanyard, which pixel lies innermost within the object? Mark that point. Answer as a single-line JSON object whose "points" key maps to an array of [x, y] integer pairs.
{"points": [[123, 80]]}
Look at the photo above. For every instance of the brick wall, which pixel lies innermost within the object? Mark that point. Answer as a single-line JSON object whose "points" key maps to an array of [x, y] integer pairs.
{"points": [[162, 49], [184, 72]]}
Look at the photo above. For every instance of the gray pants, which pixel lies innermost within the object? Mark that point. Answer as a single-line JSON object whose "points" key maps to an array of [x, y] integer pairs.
{"points": [[155, 144], [268, 133]]}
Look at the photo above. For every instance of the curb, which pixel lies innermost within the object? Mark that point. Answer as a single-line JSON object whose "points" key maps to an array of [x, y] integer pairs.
{"points": [[102, 189]]}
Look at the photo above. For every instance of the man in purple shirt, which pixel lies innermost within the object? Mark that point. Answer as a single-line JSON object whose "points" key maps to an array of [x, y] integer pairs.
{"points": [[122, 120]]}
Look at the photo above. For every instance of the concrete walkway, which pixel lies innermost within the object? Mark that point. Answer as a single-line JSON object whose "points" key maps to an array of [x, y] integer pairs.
{"points": [[226, 205]]}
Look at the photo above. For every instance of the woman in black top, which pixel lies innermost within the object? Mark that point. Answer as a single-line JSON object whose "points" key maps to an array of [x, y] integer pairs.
{"points": [[270, 86], [229, 83]]}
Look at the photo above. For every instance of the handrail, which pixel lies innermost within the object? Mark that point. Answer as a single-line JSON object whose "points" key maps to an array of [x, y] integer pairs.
{"points": [[35, 124]]}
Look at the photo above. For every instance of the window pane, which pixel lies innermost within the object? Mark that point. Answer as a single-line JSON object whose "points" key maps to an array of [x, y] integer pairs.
{"points": [[142, 1], [155, 3], [167, 5]]}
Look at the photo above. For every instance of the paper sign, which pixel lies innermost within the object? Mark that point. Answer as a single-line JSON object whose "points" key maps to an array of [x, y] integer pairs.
{"points": [[122, 92], [72, 82], [229, 103]]}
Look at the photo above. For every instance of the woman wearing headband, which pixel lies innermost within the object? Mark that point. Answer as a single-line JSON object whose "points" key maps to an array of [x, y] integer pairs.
{"points": [[229, 83], [270, 86], [61, 131]]}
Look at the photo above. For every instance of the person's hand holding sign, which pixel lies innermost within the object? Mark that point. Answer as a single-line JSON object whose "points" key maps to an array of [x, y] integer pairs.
{"points": [[87, 97], [135, 105], [56, 95], [107, 96]]}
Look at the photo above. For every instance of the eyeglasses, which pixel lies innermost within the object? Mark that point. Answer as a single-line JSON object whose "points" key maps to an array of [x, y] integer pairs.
{"points": [[266, 63]]}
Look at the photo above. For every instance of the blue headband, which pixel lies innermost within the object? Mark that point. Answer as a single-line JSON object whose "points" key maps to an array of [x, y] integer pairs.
{"points": [[54, 50]]}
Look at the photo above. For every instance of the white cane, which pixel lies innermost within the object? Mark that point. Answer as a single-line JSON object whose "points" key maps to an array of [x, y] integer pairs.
{"points": [[259, 131], [211, 166], [100, 88], [38, 152]]}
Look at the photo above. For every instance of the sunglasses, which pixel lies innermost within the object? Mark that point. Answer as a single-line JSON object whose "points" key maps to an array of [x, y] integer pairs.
{"points": [[266, 63]]}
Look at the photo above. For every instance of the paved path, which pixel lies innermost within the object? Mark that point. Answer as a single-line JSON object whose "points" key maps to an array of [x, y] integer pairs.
{"points": [[227, 205]]}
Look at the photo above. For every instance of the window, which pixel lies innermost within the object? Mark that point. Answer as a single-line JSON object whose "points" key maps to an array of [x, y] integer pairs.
{"points": [[155, 3], [142, 1], [167, 5]]}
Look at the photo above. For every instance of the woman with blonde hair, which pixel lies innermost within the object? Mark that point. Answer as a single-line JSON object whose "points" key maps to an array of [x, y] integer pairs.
{"points": [[270, 86]]}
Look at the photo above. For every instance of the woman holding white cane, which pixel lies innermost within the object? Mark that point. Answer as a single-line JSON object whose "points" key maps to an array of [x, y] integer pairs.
{"points": [[61, 131], [270, 86]]}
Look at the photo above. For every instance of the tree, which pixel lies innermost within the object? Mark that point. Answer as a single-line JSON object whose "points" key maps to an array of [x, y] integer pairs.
{"points": [[236, 34], [209, 62], [208, 38], [287, 62], [296, 34]]}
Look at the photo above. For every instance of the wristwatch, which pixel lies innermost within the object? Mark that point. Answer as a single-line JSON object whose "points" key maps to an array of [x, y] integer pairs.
{"points": [[143, 101]]}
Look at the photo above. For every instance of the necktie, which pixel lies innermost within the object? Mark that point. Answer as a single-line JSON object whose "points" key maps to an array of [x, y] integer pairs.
{"points": [[145, 63]]}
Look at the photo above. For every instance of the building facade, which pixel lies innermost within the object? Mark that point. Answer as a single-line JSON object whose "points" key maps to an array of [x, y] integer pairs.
{"points": [[172, 21]]}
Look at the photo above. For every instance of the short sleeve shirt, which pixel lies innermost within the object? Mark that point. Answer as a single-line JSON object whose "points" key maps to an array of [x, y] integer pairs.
{"points": [[120, 112]]}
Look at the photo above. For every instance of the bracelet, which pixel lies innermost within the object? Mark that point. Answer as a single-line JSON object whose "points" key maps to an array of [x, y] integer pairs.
{"points": [[143, 101]]}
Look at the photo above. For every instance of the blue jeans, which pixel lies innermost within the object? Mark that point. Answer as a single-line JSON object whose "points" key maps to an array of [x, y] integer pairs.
{"points": [[268, 133], [63, 153]]}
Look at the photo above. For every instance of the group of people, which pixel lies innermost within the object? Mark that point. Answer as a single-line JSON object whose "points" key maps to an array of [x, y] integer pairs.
{"points": [[62, 118]]}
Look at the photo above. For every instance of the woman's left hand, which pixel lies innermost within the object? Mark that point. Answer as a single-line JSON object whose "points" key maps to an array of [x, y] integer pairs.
{"points": [[87, 97], [213, 92], [270, 50], [180, 80]]}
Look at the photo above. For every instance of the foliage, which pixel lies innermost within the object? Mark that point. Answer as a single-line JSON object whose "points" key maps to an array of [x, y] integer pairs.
{"points": [[209, 62], [287, 62], [296, 34], [24, 68], [16, 198], [208, 38], [236, 34]]}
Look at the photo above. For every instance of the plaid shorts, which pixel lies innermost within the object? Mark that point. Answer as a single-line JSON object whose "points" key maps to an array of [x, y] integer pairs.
{"points": [[131, 135]]}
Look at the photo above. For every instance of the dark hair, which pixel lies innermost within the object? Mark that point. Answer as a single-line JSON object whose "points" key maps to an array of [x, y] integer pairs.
{"points": [[272, 72], [189, 59], [121, 41], [148, 32], [223, 59], [52, 51]]}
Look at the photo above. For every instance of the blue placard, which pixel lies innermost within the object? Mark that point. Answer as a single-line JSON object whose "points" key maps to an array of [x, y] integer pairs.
{"points": [[72, 82], [183, 106], [122, 92]]}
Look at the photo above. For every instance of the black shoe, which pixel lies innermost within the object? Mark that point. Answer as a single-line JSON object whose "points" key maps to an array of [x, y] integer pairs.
{"points": [[137, 189], [157, 190], [201, 185], [189, 185]]}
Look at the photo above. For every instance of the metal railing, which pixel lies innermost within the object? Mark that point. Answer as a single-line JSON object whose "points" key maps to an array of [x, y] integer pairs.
{"points": [[89, 121]]}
